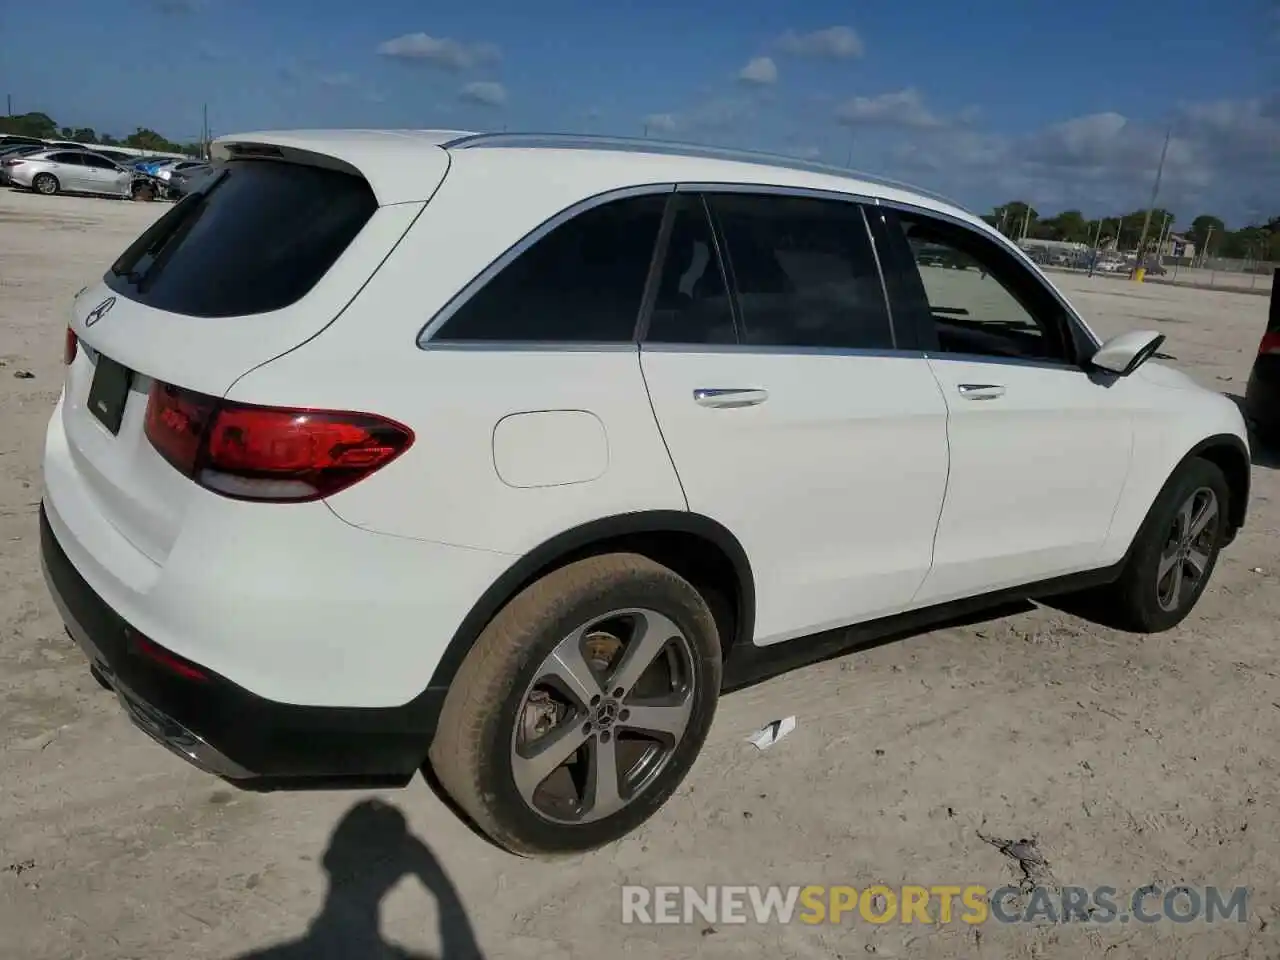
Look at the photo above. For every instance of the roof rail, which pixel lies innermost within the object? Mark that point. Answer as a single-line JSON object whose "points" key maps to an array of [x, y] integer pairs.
{"points": [[590, 141]]}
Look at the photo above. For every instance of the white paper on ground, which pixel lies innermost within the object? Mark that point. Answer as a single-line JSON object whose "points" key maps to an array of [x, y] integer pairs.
{"points": [[771, 733]]}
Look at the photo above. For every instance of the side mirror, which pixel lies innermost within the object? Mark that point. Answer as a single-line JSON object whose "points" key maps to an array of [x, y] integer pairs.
{"points": [[1125, 353]]}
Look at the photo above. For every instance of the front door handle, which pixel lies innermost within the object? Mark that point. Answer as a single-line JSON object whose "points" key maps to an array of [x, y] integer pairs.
{"points": [[981, 391], [729, 397]]}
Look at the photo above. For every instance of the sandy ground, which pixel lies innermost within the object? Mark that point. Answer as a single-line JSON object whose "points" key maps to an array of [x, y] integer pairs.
{"points": [[1130, 760]]}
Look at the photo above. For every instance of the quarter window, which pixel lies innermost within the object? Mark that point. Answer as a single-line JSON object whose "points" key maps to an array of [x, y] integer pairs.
{"points": [[692, 301], [581, 283], [804, 271]]}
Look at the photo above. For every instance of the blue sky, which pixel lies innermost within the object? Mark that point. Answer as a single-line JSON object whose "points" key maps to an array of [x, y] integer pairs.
{"points": [[1063, 105]]}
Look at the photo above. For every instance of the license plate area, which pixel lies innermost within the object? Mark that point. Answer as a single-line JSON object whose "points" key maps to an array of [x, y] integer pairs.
{"points": [[109, 392]]}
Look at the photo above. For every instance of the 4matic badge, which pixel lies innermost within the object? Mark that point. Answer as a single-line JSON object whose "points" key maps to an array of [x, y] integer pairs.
{"points": [[100, 311]]}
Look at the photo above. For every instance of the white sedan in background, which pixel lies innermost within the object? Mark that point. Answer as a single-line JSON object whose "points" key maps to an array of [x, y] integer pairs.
{"points": [[70, 171]]}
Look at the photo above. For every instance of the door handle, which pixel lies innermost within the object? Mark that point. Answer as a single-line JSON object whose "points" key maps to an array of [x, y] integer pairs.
{"points": [[729, 397], [981, 391]]}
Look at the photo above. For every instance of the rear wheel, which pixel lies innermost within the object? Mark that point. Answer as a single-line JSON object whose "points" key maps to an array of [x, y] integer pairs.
{"points": [[581, 706], [1175, 551], [45, 183]]}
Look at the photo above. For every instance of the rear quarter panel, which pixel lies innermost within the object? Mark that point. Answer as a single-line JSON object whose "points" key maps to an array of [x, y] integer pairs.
{"points": [[448, 488]]}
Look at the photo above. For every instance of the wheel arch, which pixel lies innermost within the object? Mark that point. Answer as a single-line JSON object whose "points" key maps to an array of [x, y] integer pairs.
{"points": [[1229, 454], [702, 550]]}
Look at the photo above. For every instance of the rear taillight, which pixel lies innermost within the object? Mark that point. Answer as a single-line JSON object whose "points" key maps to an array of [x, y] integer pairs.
{"points": [[1270, 342], [275, 454], [70, 348]]}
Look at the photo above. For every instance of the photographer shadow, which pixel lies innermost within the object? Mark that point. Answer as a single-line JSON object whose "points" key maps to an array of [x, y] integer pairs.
{"points": [[370, 851]]}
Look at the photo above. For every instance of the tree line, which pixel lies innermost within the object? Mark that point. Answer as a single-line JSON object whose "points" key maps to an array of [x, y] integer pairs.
{"points": [[1259, 241], [43, 126]]}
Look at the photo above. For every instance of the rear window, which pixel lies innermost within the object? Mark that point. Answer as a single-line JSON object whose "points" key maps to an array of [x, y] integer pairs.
{"points": [[255, 238]]}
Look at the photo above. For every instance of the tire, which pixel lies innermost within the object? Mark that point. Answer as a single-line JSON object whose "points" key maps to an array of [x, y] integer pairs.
{"points": [[1139, 599], [142, 191], [510, 698], [45, 183]]}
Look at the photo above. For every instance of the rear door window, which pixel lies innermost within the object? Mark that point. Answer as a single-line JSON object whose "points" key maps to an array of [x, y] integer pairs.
{"points": [[805, 272], [255, 238]]}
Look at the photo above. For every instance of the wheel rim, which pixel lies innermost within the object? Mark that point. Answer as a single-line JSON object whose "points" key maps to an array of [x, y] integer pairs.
{"points": [[1188, 550], [603, 715], [45, 185]]}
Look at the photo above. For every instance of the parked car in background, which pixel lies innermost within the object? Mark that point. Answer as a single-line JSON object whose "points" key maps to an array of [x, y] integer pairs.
{"points": [[177, 166], [71, 171], [13, 140], [1262, 396], [182, 182], [153, 165], [13, 152], [118, 156]]}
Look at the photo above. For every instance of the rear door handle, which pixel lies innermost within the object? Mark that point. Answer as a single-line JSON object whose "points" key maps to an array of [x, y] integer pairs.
{"points": [[728, 397], [981, 391]]}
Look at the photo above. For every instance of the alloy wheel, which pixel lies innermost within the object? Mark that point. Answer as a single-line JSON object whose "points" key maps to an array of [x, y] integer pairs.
{"points": [[603, 715], [1188, 550]]}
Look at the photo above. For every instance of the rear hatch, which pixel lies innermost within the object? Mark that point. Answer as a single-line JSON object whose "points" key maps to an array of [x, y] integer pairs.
{"points": [[261, 258]]}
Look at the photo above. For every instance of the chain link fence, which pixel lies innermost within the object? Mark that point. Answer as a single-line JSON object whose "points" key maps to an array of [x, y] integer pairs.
{"points": [[1220, 273]]}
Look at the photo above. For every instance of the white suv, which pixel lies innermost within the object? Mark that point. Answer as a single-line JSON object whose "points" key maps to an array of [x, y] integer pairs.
{"points": [[500, 456]]}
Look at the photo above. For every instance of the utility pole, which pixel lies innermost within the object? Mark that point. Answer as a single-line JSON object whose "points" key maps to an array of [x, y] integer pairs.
{"points": [[1155, 191], [1097, 238], [9, 104], [1164, 228], [1204, 254], [204, 134]]}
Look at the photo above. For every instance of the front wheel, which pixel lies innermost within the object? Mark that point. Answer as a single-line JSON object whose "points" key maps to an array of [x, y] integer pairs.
{"points": [[1175, 551], [581, 706], [45, 183]]}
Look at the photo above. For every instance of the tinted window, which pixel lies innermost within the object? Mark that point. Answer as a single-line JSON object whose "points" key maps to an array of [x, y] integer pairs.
{"points": [[804, 271], [581, 283], [102, 163], [254, 239], [692, 301], [72, 159], [981, 299]]}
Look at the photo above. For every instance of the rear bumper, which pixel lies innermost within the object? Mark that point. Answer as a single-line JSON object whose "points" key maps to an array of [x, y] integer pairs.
{"points": [[225, 729]]}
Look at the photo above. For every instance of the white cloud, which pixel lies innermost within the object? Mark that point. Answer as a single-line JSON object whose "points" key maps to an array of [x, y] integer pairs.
{"points": [[660, 123], [484, 92], [835, 43], [440, 51], [714, 115], [1221, 160], [903, 108], [759, 70]]}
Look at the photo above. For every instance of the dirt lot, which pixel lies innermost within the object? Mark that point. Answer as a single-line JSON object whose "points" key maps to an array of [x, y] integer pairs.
{"points": [[1130, 760]]}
